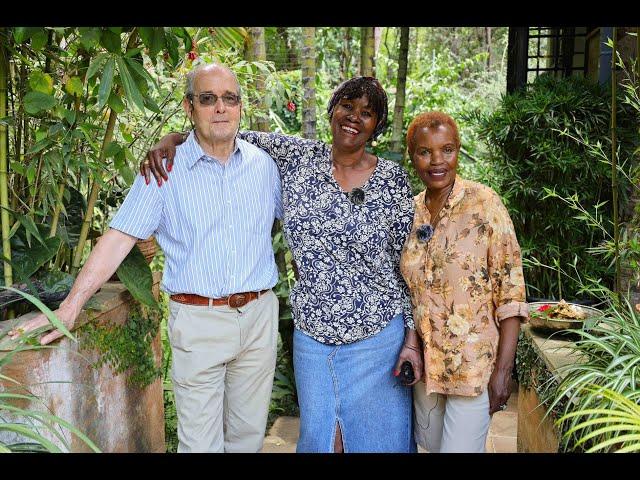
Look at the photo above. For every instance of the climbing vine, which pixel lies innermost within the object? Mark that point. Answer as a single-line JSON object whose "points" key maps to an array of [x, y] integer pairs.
{"points": [[127, 347]]}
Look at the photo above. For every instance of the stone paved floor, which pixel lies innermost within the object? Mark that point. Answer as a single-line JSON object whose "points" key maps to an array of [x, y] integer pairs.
{"points": [[283, 435]]}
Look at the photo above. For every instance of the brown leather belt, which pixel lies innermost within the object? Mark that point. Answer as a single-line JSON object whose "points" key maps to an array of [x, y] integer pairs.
{"points": [[236, 300]]}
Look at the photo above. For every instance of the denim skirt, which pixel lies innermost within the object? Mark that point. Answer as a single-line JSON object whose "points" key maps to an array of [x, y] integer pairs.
{"points": [[353, 385]]}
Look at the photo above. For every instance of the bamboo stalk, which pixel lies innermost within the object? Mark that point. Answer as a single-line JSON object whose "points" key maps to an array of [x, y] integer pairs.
{"points": [[35, 185], [401, 85], [367, 52], [4, 177], [614, 162], [95, 187], [93, 196], [57, 210]]}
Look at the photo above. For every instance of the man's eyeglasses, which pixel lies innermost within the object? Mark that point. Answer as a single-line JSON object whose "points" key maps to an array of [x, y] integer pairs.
{"points": [[356, 196], [207, 99]]}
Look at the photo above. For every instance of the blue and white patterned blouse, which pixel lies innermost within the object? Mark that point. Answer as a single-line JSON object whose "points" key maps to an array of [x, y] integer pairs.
{"points": [[348, 255]]}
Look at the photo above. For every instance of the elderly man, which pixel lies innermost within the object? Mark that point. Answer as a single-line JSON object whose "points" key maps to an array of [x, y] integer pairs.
{"points": [[213, 221]]}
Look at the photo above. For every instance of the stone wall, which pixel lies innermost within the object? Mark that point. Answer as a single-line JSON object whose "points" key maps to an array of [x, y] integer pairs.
{"points": [[116, 416]]}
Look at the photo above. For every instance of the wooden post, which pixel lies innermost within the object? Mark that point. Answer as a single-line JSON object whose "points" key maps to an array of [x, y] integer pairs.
{"points": [[517, 52], [614, 162]]}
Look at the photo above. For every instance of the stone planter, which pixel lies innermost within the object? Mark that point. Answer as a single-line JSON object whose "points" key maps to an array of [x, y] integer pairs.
{"points": [[116, 416], [148, 248], [537, 432]]}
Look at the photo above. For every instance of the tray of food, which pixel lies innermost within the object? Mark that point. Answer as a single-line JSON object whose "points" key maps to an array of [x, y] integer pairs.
{"points": [[554, 316]]}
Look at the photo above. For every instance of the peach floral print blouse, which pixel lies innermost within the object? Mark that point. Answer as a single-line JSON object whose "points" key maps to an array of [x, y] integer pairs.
{"points": [[463, 282]]}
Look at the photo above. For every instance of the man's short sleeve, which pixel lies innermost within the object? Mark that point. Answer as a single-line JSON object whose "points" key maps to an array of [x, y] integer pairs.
{"points": [[140, 213]]}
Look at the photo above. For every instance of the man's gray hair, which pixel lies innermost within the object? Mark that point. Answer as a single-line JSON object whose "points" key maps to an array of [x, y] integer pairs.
{"points": [[192, 75]]}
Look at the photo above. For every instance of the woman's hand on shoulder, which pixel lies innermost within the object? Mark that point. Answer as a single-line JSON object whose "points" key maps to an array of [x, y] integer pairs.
{"points": [[152, 163]]}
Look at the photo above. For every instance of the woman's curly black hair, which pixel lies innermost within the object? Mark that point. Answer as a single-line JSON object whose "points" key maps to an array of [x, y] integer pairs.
{"points": [[357, 87]]}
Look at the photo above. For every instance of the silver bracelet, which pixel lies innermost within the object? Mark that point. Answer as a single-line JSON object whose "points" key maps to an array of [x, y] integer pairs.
{"points": [[412, 347]]}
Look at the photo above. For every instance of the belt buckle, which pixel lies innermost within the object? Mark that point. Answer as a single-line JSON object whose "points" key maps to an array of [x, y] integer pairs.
{"points": [[241, 298]]}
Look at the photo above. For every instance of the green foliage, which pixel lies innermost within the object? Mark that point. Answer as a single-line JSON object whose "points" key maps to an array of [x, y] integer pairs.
{"points": [[613, 428], [135, 274], [28, 260], [32, 426], [610, 358], [533, 373], [127, 347], [533, 153]]}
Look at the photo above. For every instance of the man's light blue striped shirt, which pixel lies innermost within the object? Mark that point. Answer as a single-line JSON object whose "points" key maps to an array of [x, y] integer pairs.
{"points": [[212, 221]]}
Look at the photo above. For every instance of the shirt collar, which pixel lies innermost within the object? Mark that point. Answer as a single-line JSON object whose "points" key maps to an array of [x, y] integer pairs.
{"points": [[456, 195], [196, 153]]}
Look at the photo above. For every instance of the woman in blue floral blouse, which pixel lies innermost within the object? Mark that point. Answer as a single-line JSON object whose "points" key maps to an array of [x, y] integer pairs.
{"points": [[347, 214]]}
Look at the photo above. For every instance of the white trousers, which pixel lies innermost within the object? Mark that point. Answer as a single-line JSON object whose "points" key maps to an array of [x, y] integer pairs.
{"points": [[450, 423], [222, 370]]}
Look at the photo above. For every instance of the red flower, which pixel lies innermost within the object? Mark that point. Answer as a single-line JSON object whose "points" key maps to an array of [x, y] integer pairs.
{"points": [[291, 107], [192, 55], [544, 307]]}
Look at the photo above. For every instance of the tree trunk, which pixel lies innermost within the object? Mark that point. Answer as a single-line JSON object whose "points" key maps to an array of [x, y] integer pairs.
{"points": [[377, 37], [309, 82], [257, 51], [401, 84], [345, 54], [4, 163], [487, 31], [367, 52]]}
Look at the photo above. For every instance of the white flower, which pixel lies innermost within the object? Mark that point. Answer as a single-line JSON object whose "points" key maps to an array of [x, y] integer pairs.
{"points": [[458, 325]]}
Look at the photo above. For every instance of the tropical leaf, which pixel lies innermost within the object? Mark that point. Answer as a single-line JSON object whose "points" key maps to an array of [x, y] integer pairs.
{"points": [[55, 281], [115, 103], [39, 40], [110, 40], [35, 102], [106, 83], [173, 48], [41, 82], [229, 37], [30, 226], [22, 34], [184, 35], [73, 86], [28, 432], [29, 260], [89, 38], [70, 222], [135, 274], [44, 309], [130, 88], [96, 64], [49, 421]]}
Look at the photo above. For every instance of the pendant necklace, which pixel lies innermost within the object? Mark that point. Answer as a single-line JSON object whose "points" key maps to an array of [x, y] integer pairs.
{"points": [[425, 232]]}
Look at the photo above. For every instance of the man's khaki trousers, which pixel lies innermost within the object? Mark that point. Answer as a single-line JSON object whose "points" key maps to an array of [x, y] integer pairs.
{"points": [[222, 370]]}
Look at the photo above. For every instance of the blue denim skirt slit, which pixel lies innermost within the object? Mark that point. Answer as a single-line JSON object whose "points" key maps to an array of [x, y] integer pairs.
{"points": [[353, 385]]}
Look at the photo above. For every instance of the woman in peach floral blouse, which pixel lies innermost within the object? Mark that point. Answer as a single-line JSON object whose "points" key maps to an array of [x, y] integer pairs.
{"points": [[463, 266]]}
